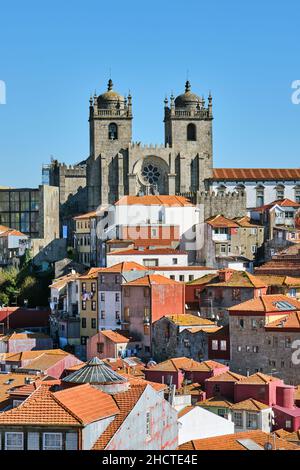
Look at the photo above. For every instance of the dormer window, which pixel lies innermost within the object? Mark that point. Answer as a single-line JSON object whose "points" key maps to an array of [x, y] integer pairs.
{"points": [[113, 131], [191, 132]]}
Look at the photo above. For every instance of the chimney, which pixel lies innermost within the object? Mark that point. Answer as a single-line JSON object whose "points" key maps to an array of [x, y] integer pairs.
{"points": [[225, 275]]}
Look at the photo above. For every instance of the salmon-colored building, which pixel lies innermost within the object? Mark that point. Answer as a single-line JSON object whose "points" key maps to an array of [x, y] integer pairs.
{"points": [[147, 299]]}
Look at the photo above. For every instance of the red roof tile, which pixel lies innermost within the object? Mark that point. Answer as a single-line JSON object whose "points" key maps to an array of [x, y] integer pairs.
{"points": [[254, 174]]}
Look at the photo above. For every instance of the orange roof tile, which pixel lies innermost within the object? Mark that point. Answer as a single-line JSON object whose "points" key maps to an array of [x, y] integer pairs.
{"points": [[87, 403], [185, 319], [218, 401], [152, 279], [226, 377], [148, 251], [241, 279], [87, 215], [230, 442], [219, 220], [154, 201], [114, 336], [250, 405], [124, 266], [266, 304], [185, 363], [290, 322], [185, 411], [258, 379], [254, 174]]}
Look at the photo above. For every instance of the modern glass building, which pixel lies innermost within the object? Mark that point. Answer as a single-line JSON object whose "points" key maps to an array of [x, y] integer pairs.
{"points": [[19, 209]]}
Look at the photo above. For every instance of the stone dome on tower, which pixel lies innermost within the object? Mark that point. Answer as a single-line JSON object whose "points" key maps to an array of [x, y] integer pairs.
{"points": [[110, 99], [187, 99]]}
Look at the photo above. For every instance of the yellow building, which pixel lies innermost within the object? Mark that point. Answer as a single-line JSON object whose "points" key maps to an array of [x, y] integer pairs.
{"points": [[85, 226], [88, 304]]}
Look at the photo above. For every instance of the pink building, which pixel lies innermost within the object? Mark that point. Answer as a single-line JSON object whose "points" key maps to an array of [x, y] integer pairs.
{"points": [[108, 343]]}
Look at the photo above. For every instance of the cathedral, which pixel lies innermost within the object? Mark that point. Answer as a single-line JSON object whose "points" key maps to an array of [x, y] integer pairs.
{"points": [[117, 166]]}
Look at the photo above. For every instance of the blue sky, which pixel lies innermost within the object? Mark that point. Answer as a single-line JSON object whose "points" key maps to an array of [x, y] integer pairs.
{"points": [[53, 54]]}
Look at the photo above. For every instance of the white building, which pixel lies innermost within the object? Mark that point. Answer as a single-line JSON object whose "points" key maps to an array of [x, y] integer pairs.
{"points": [[195, 422], [149, 258], [250, 415], [262, 185]]}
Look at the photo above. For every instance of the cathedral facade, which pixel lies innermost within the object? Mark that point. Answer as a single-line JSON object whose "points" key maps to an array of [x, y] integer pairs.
{"points": [[117, 166]]}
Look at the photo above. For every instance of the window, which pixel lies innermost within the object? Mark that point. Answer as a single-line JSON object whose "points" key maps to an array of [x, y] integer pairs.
{"points": [[94, 305], [236, 294], [117, 280], [102, 278], [287, 343], [260, 196], [223, 345], [279, 191], [255, 349], [52, 441], [93, 287], [113, 131], [150, 262], [117, 315], [153, 232], [175, 261], [254, 323], [214, 345], [238, 419], [191, 277], [83, 340], [288, 423], [239, 348], [83, 287], [172, 277], [181, 278], [126, 314], [222, 412], [148, 424], [191, 132], [223, 249], [102, 315], [146, 330], [102, 297], [100, 348], [252, 421], [297, 194], [253, 249], [93, 323], [83, 323], [241, 323], [14, 441]]}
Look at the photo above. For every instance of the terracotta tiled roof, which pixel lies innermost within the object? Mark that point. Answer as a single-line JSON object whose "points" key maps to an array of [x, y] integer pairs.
{"points": [[219, 221], [181, 268], [204, 280], [280, 280], [9, 382], [125, 402], [245, 222], [185, 410], [123, 267], [258, 379], [194, 389], [75, 406], [266, 304], [114, 336], [241, 279], [290, 322], [254, 174], [39, 409], [152, 279], [179, 201], [226, 377], [231, 442], [87, 403], [139, 381], [278, 202], [187, 364], [88, 215], [185, 319], [143, 252], [61, 282], [12, 232], [219, 402], [250, 405]]}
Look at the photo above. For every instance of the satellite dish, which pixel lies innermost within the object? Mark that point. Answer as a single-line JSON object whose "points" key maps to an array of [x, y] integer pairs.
{"points": [[268, 446]]}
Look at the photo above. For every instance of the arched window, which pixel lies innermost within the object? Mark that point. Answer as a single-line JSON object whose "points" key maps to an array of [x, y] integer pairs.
{"points": [[113, 131], [191, 132]]}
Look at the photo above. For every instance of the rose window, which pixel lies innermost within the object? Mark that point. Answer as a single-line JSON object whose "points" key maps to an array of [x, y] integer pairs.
{"points": [[151, 173]]}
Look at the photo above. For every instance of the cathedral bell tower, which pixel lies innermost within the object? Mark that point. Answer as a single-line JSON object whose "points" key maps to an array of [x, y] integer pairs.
{"points": [[188, 130], [110, 121]]}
